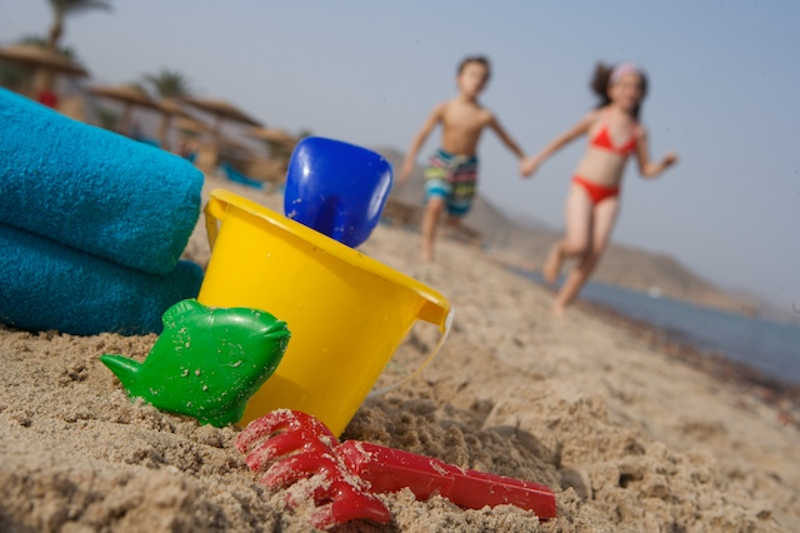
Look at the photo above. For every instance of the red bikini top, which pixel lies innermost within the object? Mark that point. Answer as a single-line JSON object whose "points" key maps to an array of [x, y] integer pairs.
{"points": [[603, 140]]}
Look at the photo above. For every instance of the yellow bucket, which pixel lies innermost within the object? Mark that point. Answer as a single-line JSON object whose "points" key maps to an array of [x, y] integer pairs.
{"points": [[347, 312]]}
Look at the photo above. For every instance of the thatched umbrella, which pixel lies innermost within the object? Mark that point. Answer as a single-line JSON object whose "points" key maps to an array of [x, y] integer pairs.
{"points": [[37, 56], [273, 135], [221, 110], [189, 130], [191, 125], [131, 96], [169, 107], [47, 62], [280, 142]]}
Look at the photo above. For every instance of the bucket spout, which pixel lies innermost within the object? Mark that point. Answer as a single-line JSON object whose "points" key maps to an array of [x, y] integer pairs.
{"points": [[435, 312]]}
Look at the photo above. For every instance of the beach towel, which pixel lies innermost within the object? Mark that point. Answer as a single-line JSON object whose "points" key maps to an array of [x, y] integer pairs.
{"points": [[44, 285], [92, 189], [234, 175]]}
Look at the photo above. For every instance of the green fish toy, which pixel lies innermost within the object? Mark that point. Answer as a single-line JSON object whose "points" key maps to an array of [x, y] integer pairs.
{"points": [[207, 362]]}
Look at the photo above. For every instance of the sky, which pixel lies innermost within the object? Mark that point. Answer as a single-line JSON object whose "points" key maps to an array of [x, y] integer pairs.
{"points": [[723, 94]]}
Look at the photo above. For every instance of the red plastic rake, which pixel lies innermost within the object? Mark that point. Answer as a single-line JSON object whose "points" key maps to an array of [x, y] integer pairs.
{"points": [[291, 445]]}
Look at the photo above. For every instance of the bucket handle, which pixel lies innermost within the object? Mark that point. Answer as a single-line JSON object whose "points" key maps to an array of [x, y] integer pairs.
{"points": [[214, 211], [448, 324]]}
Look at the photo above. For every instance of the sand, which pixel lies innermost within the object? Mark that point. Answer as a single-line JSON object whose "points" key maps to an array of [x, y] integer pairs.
{"points": [[628, 436]]}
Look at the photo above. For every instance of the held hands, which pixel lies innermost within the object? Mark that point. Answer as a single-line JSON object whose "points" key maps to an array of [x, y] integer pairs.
{"points": [[528, 165]]}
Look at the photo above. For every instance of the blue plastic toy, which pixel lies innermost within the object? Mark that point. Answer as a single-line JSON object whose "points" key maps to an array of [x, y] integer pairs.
{"points": [[337, 188]]}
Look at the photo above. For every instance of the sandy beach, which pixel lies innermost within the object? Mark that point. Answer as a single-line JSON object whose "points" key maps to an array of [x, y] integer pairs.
{"points": [[629, 436]]}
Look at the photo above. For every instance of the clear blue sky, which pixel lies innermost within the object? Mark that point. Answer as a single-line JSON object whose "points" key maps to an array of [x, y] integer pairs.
{"points": [[724, 95]]}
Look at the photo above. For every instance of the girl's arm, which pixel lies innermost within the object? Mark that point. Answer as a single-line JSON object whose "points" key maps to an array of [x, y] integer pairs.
{"points": [[503, 135], [647, 168], [419, 139], [530, 165]]}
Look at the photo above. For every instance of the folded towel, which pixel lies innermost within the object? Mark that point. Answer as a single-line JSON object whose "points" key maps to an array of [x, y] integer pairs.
{"points": [[92, 189], [44, 285]]}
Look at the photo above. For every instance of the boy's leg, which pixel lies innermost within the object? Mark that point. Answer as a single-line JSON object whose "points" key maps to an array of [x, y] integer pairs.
{"points": [[578, 214], [603, 220], [430, 220]]}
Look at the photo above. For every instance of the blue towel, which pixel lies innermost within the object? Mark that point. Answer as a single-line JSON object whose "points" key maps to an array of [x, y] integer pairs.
{"points": [[92, 189], [44, 285], [236, 176]]}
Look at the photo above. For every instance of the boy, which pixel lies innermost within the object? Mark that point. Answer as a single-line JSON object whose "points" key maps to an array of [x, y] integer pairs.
{"points": [[452, 173]]}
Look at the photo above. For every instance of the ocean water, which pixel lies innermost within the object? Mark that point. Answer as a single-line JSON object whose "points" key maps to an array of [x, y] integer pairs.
{"points": [[772, 347]]}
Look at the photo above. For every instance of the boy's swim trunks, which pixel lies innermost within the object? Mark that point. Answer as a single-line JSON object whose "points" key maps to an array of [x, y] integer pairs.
{"points": [[453, 177]]}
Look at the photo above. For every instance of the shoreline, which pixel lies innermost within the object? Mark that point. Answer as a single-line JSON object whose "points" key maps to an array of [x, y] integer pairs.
{"points": [[773, 391], [514, 262]]}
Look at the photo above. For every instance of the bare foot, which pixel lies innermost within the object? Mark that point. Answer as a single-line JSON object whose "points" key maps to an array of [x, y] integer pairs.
{"points": [[427, 254], [552, 265], [559, 310]]}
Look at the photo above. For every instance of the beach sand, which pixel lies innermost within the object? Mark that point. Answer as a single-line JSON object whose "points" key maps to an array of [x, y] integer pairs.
{"points": [[629, 437]]}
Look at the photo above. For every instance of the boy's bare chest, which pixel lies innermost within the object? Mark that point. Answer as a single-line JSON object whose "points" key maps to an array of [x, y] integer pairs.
{"points": [[465, 119]]}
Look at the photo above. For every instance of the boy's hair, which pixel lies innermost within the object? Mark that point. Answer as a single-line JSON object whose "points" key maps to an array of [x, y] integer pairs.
{"points": [[481, 60], [599, 85]]}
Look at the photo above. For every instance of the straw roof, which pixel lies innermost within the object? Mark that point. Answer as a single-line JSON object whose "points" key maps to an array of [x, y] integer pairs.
{"points": [[129, 94], [229, 143], [191, 125], [39, 56], [222, 109], [273, 135], [171, 106]]}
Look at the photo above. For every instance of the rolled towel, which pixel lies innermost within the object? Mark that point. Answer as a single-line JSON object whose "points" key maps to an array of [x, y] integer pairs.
{"points": [[44, 285], [92, 189]]}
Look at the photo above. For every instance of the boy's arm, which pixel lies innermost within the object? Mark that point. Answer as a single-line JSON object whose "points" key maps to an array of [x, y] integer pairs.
{"points": [[647, 168], [419, 139], [504, 136], [530, 164]]}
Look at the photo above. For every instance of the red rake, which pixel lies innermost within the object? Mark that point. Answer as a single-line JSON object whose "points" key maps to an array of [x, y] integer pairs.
{"points": [[291, 445]]}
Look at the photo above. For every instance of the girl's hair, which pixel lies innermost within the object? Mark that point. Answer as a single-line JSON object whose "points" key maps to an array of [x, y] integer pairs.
{"points": [[601, 79]]}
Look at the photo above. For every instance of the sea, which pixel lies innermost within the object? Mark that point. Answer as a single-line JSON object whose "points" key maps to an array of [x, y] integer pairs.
{"points": [[769, 346]]}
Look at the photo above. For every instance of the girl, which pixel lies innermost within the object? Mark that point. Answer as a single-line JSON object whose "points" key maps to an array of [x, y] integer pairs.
{"points": [[593, 200]]}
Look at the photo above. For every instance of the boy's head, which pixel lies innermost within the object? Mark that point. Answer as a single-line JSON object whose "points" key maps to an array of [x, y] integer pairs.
{"points": [[472, 75]]}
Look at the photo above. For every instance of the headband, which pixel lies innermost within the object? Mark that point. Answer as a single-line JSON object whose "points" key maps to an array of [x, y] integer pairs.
{"points": [[622, 69]]}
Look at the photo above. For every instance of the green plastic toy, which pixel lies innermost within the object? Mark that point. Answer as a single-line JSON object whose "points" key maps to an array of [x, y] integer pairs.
{"points": [[207, 362]]}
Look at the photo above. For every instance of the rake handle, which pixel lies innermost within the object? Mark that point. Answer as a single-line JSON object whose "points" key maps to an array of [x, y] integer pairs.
{"points": [[390, 470]]}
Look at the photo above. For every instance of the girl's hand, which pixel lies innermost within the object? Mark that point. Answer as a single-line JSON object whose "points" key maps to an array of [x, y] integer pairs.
{"points": [[670, 159], [528, 166]]}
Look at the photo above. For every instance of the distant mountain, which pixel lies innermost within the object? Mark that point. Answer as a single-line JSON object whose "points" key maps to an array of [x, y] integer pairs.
{"points": [[524, 241]]}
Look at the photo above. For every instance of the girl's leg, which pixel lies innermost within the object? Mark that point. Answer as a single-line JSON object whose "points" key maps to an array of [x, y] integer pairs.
{"points": [[430, 219], [603, 218], [576, 241]]}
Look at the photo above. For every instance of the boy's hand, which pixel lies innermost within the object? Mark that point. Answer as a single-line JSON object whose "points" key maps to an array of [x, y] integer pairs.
{"points": [[405, 171], [528, 166]]}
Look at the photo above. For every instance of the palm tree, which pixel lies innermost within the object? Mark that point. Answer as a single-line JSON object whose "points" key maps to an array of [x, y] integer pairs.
{"points": [[63, 8], [170, 85]]}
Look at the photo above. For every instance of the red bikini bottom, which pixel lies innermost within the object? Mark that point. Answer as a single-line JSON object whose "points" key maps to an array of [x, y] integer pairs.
{"points": [[596, 192]]}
